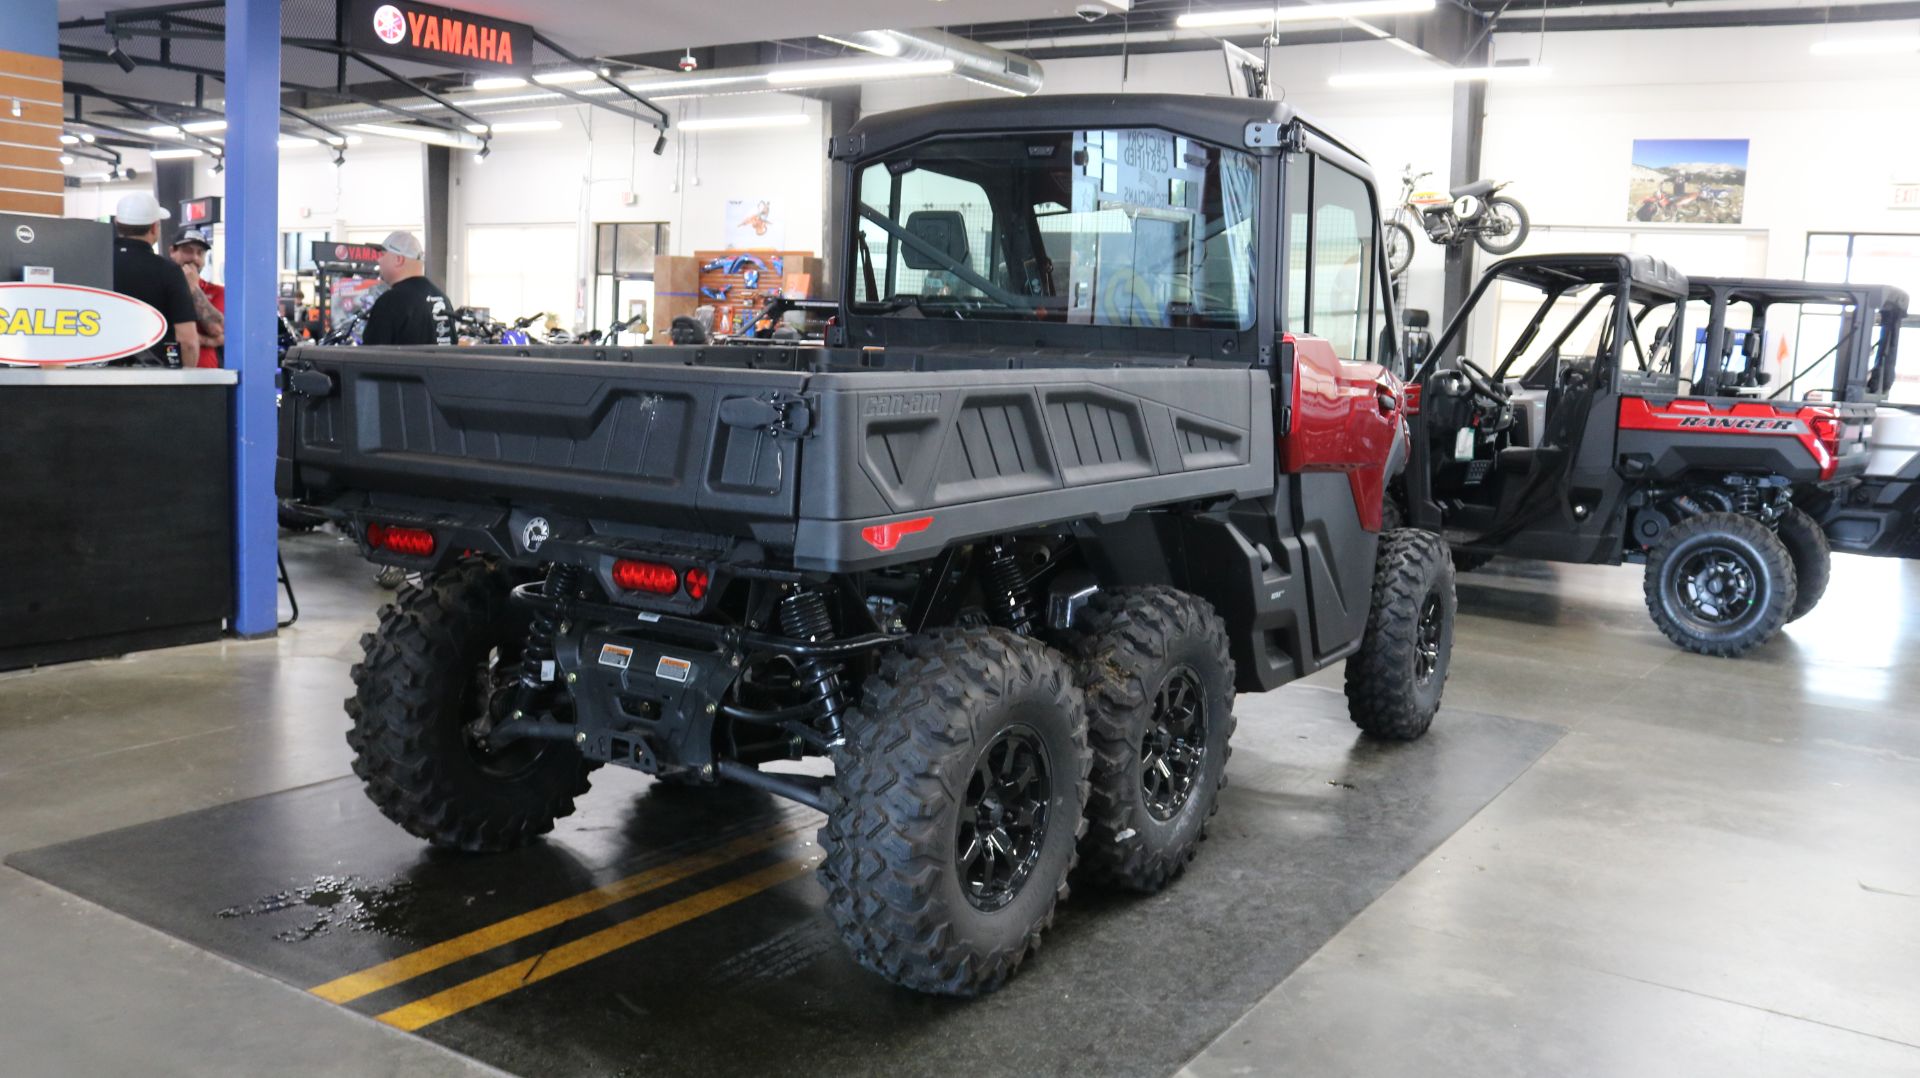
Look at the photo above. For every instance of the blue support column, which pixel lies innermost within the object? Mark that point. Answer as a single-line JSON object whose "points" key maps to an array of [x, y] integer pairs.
{"points": [[252, 207]]}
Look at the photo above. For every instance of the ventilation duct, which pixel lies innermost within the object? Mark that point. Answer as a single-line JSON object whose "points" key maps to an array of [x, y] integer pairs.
{"points": [[971, 60]]}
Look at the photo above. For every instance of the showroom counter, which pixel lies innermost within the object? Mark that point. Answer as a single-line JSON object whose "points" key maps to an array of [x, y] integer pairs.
{"points": [[117, 491]]}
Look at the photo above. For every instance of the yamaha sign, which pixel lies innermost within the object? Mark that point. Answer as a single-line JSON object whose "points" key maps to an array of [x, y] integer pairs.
{"points": [[441, 36]]}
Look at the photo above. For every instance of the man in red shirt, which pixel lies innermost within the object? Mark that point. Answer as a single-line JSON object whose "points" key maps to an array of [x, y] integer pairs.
{"points": [[190, 247]]}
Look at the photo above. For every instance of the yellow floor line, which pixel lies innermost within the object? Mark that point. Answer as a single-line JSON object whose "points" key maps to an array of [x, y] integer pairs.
{"points": [[493, 985], [408, 966]]}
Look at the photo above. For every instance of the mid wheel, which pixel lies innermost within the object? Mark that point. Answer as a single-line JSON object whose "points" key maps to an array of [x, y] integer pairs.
{"points": [[958, 798], [1159, 685], [447, 653], [1719, 584], [1395, 680], [1812, 559]]}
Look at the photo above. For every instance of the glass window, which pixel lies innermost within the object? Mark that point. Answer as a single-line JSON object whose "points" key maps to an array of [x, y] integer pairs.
{"points": [[1299, 206], [520, 270], [1119, 228], [1343, 261]]}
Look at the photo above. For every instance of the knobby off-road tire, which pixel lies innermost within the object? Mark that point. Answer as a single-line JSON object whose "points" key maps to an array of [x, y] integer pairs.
{"points": [[1395, 680], [1159, 685], [937, 716], [444, 649], [1812, 559], [1719, 584]]}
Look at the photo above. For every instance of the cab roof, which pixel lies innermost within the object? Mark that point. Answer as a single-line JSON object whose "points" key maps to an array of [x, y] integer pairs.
{"points": [[1550, 272]]}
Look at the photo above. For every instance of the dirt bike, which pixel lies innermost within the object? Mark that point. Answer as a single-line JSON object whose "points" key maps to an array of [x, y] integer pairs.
{"points": [[1470, 211]]}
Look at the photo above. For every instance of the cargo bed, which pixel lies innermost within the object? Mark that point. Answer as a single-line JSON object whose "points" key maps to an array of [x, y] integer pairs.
{"points": [[812, 454]]}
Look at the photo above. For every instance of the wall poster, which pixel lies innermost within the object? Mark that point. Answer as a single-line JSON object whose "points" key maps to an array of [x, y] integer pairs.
{"points": [[1691, 180]]}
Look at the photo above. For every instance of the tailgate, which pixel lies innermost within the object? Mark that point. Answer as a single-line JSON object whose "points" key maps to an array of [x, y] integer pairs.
{"points": [[666, 445]]}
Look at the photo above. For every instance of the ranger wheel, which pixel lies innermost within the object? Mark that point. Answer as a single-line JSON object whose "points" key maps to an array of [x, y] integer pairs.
{"points": [[1719, 584], [1812, 559], [1159, 687], [1395, 679], [958, 797], [447, 651]]}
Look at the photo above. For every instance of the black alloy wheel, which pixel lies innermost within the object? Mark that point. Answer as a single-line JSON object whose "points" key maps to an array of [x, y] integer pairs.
{"points": [[1717, 586], [1173, 754], [1003, 820], [1427, 639]]}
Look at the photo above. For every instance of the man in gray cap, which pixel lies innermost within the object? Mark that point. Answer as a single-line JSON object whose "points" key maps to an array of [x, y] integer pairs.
{"points": [[141, 273], [413, 310]]}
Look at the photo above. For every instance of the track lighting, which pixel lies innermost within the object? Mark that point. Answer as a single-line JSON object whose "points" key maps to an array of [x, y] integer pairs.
{"points": [[660, 144], [119, 56], [482, 153]]}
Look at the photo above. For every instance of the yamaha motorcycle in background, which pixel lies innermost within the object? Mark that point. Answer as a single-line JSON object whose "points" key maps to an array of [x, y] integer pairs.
{"points": [[1475, 211]]}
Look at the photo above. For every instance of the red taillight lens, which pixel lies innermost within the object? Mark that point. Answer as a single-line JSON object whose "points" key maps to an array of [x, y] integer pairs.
{"points": [[697, 581], [413, 542], [1827, 429], [648, 576]]}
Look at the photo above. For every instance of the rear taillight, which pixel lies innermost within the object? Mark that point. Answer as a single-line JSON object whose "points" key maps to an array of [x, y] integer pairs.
{"points": [[1826, 431], [697, 581], [413, 542], [648, 576]]}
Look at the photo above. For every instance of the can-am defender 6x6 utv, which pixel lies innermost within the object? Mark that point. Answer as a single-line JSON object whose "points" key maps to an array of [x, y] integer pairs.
{"points": [[1100, 441], [1582, 442]]}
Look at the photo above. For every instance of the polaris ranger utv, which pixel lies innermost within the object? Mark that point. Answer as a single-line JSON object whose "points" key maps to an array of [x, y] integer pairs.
{"points": [[1583, 443], [1100, 441]]}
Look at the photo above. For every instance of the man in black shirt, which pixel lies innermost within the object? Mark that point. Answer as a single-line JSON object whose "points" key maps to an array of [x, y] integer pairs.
{"points": [[413, 310], [150, 278]]}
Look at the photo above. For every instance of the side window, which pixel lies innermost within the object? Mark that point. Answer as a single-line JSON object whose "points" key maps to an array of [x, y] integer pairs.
{"points": [[1343, 272], [1299, 207]]}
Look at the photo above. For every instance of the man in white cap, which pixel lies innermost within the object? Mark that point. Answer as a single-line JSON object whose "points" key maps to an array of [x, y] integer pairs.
{"points": [[413, 310], [146, 276]]}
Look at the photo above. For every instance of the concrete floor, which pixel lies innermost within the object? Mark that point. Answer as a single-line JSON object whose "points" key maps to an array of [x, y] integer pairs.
{"points": [[1713, 872]]}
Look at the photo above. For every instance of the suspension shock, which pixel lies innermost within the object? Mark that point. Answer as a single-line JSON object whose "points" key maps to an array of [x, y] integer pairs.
{"points": [[1009, 602], [562, 582], [804, 615]]}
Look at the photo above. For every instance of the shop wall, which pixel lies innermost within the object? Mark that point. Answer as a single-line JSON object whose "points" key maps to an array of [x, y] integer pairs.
{"points": [[599, 168]]}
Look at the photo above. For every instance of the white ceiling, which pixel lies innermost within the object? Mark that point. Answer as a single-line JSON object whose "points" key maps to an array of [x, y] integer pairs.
{"points": [[614, 27]]}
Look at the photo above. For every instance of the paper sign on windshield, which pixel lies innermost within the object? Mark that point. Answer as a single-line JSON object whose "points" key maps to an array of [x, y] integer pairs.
{"points": [[55, 325]]}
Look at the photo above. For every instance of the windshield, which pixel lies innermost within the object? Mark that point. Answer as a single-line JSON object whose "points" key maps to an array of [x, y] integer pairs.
{"points": [[1112, 228]]}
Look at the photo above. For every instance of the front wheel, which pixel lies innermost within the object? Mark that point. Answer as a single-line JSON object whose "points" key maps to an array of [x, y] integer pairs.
{"points": [[958, 799], [446, 655], [1399, 240], [1719, 584], [1509, 213], [1812, 559], [1394, 681]]}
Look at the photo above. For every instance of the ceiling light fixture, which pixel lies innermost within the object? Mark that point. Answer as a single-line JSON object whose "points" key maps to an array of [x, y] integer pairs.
{"points": [[1440, 75], [515, 125], [660, 144], [1279, 13], [432, 136], [66, 159], [567, 78], [508, 82], [170, 155], [1866, 46], [861, 72], [119, 56], [484, 151], [671, 83], [737, 123], [69, 140]]}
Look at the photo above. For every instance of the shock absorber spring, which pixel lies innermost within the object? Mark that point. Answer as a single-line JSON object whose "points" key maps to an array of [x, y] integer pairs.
{"points": [[804, 615], [1009, 603], [562, 582]]}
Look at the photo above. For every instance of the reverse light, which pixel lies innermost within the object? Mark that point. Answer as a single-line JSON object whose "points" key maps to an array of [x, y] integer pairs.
{"points": [[413, 542], [648, 576], [697, 581]]}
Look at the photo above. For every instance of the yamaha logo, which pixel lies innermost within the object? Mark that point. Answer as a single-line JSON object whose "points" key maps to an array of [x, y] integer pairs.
{"points": [[389, 23], [536, 532], [24, 234]]}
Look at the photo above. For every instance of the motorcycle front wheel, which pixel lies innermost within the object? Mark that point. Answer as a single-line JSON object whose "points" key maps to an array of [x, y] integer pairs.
{"points": [[1513, 215], [1399, 239]]}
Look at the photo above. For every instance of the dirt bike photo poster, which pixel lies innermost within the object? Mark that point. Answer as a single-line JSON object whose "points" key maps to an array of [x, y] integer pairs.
{"points": [[1696, 180]]}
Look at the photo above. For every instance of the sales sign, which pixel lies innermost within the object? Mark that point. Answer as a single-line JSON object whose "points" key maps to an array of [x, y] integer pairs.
{"points": [[441, 36], [53, 325]]}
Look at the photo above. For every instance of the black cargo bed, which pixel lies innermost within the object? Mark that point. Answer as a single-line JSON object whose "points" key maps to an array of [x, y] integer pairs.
{"points": [[802, 450]]}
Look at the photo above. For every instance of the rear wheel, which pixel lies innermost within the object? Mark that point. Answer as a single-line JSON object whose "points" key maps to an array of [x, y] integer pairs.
{"points": [[1812, 559], [447, 653], [1514, 216], [1159, 687], [1719, 584], [957, 802], [1394, 681], [1399, 239]]}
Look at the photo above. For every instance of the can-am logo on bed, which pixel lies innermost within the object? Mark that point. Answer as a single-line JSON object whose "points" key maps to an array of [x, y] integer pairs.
{"points": [[56, 325], [441, 36]]}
